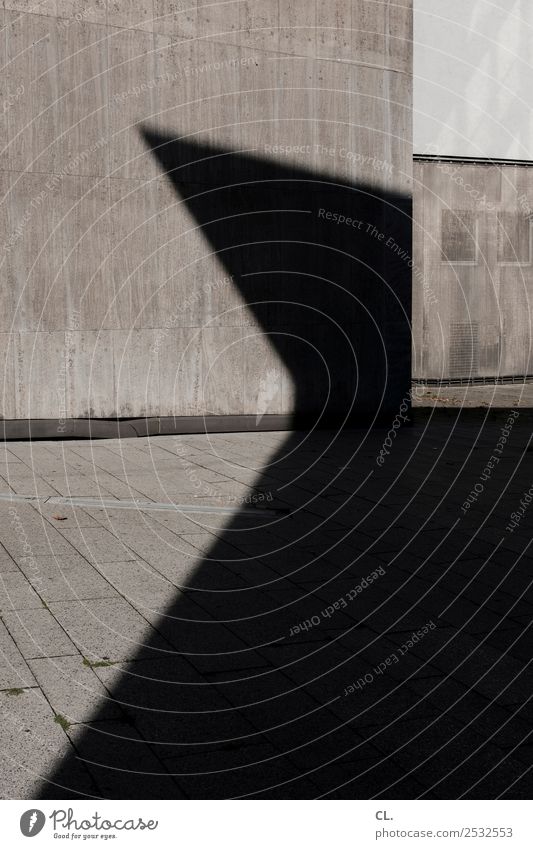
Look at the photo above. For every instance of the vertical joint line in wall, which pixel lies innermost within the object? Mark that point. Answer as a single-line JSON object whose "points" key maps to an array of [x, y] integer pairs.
{"points": [[108, 78], [386, 77]]}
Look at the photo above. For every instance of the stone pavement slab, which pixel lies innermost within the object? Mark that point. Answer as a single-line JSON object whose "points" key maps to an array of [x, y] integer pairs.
{"points": [[37, 633], [66, 577], [108, 629], [14, 672], [72, 688], [16, 593], [41, 744]]}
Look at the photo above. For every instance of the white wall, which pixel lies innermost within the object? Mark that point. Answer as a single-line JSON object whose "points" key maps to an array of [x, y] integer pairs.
{"points": [[473, 78]]}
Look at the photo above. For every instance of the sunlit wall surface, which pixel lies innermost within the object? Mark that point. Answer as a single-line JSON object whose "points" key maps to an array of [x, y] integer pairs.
{"points": [[112, 296], [473, 195]]}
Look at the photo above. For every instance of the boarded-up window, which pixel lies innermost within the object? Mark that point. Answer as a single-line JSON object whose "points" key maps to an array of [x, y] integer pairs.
{"points": [[458, 236]]}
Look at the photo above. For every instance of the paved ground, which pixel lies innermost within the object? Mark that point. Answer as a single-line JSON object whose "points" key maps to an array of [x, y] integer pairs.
{"points": [[367, 636]]}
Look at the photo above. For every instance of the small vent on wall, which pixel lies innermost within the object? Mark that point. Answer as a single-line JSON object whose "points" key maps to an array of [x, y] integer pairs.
{"points": [[464, 349]]}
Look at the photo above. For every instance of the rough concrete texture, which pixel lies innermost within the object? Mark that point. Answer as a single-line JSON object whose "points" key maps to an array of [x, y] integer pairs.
{"points": [[517, 396], [271, 655], [114, 302], [472, 272]]}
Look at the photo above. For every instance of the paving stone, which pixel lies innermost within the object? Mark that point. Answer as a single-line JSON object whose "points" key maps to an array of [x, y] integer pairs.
{"points": [[119, 521], [190, 523], [73, 689], [27, 484], [71, 517], [14, 671], [33, 747], [76, 485], [16, 593], [108, 629], [260, 779], [140, 584], [8, 565], [42, 542], [98, 545], [367, 779], [64, 577], [164, 700], [159, 546], [113, 753], [38, 634]]}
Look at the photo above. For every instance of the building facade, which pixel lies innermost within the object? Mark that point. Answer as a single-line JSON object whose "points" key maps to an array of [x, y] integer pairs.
{"points": [[473, 192], [118, 298]]}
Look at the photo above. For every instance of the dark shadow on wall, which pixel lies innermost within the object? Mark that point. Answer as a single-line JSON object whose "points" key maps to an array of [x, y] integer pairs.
{"points": [[307, 254], [234, 696]]}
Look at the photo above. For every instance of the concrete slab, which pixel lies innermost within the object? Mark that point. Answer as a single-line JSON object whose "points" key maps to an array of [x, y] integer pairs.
{"points": [[108, 629], [38, 634], [34, 744], [63, 578], [72, 688], [14, 672], [17, 594]]}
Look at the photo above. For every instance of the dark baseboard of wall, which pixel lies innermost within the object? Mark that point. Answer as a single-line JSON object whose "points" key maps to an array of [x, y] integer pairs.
{"points": [[16, 429], [19, 429], [470, 160]]}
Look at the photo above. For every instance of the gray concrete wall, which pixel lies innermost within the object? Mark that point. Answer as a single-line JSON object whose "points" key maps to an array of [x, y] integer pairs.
{"points": [[473, 275], [112, 301]]}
